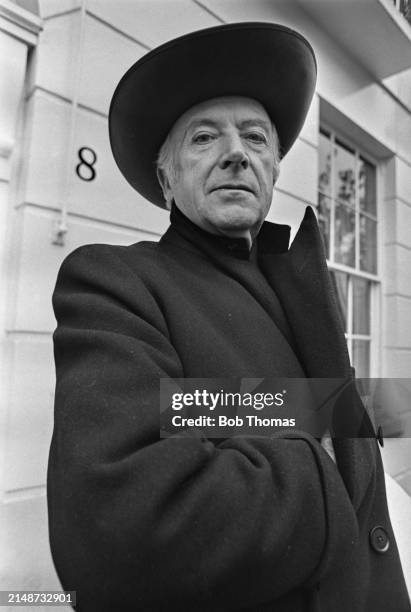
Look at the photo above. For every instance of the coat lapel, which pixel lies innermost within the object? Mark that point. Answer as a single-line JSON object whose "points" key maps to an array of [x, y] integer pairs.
{"points": [[302, 282]]}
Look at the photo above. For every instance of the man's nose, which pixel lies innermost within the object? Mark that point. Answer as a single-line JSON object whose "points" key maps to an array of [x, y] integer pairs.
{"points": [[234, 154]]}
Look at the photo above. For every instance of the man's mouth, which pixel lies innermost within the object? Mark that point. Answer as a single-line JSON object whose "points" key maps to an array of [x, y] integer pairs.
{"points": [[233, 186]]}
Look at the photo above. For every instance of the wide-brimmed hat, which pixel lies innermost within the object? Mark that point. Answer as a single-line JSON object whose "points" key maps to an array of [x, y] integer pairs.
{"points": [[267, 62]]}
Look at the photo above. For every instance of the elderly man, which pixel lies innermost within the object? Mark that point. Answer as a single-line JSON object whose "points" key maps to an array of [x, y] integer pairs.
{"points": [[187, 523]]}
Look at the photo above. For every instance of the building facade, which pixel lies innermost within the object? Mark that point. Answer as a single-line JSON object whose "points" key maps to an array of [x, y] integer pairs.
{"points": [[60, 188]]}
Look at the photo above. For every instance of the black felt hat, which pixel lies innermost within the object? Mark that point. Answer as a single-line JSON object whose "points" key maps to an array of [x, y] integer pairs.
{"points": [[268, 62]]}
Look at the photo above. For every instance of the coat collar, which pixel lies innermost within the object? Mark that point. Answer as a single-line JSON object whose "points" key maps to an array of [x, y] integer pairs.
{"points": [[302, 281], [233, 256], [233, 247], [298, 276]]}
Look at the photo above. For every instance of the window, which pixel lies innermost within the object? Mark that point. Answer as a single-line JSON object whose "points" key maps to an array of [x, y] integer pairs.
{"points": [[404, 6], [347, 215]]}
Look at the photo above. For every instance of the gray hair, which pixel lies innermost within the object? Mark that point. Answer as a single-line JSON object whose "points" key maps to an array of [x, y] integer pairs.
{"points": [[165, 159]]}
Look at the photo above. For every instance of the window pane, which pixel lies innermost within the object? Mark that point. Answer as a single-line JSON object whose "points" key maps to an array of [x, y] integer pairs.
{"points": [[367, 187], [324, 171], [368, 244], [344, 235], [361, 358], [361, 306], [344, 174], [340, 282], [324, 207]]}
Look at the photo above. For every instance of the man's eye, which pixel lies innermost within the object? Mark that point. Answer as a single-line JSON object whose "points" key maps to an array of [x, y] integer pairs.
{"points": [[256, 137], [203, 138]]}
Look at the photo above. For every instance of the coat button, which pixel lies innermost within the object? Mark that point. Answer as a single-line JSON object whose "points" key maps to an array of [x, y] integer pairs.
{"points": [[380, 436], [379, 539]]}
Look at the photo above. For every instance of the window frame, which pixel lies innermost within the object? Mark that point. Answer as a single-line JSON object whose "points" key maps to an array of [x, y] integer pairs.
{"points": [[374, 337]]}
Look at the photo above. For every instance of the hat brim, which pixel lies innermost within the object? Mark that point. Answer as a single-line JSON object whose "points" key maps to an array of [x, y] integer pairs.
{"points": [[267, 62]]}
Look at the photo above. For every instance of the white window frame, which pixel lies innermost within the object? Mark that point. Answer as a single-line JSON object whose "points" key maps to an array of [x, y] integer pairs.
{"points": [[374, 337]]}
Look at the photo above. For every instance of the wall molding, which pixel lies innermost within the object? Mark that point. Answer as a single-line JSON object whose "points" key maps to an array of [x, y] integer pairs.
{"points": [[19, 23]]}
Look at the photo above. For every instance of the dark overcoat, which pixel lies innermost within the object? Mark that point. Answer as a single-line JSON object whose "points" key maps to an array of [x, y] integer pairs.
{"points": [[142, 523]]}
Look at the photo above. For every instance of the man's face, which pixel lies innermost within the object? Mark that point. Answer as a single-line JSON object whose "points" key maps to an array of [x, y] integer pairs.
{"points": [[224, 165]]}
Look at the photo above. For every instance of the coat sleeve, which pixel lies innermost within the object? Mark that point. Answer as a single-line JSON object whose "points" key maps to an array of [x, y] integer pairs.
{"points": [[179, 523]]}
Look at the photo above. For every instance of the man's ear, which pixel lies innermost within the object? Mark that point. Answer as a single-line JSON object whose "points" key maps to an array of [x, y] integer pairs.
{"points": [[165, 186]]}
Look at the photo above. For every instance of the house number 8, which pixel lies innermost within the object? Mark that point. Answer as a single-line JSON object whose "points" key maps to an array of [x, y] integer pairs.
{"points": [[85, 168]]}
